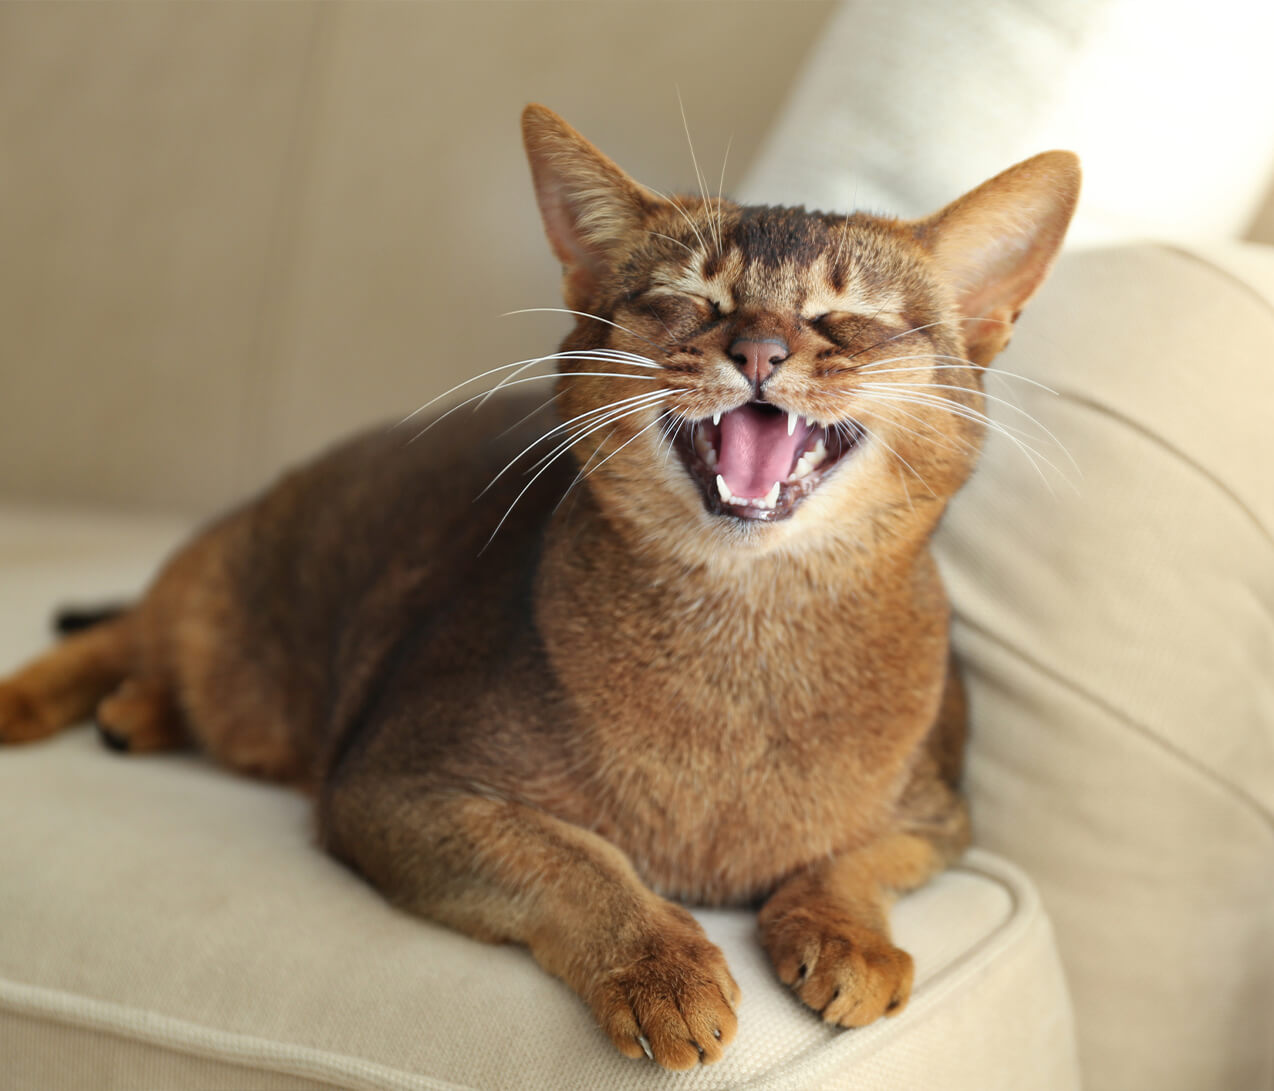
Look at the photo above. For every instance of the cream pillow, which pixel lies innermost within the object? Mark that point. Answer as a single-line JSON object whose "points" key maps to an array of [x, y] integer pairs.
{"points": [[1117, 623], [905, 105]]}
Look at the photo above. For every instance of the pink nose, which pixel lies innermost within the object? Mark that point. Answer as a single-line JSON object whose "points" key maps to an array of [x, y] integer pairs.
{"points": [[757, 359]]}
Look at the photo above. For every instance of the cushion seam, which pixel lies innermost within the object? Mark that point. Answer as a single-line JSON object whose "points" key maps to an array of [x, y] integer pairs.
{"points": [[1236, 793], [181, 1036], [186, 1038], [1179, 455], [1221, 271], [1025, 910]]}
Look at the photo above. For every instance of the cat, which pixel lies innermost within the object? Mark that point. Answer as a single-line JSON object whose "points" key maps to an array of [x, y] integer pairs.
{"points": [[699, 653]]}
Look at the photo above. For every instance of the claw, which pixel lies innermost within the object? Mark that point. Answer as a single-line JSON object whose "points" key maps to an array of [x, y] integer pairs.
{"points": [[645, 1047], [835, 997]]}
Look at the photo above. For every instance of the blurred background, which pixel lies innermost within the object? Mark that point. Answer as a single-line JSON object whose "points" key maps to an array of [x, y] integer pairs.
{"points": [[234, 232]]}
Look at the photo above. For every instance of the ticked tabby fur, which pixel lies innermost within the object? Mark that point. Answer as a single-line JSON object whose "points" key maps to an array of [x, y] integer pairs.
{"points": [[718, 672]]}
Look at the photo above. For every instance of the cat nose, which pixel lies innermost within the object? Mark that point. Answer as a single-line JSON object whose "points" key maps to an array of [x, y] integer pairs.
{"points": [[757, 359]]}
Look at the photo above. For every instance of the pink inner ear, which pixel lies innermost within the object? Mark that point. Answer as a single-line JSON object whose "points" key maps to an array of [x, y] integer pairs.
{"points": [[559, 225], [1003, 276], [586, 201], [995, 245]]}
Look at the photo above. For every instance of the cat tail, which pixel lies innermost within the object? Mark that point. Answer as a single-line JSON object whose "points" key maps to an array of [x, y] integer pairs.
{"points": [[64, 685], [73, 619]]}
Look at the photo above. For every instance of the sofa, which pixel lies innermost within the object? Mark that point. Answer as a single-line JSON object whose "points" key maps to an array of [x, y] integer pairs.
{"points": [[1111, 564]]}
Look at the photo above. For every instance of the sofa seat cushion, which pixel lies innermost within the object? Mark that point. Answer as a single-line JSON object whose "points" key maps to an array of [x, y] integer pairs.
{"points": [[167, 924]]}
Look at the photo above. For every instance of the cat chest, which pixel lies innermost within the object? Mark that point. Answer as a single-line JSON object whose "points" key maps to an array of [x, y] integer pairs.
{"points": [[729, 742], [717, 788]]}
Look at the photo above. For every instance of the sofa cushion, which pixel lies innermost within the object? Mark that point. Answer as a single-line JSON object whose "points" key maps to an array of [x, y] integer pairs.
{"points": [[167, 924], [902, 107], [1117, 620]]}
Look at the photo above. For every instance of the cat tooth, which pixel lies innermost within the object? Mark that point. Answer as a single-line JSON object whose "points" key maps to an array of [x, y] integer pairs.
{"points": [[724, 490], [710, 457], [803, 467], [716, 418], [818, 454], [791, 422], [702, 445], [772, 497]]}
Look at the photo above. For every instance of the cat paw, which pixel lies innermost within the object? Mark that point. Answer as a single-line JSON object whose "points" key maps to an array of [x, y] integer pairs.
{"points": [[674, 1002], [850, 974], [20, 719]]}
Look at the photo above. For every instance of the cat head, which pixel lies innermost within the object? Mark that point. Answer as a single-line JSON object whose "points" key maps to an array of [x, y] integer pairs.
{"points": [[746, 378]]}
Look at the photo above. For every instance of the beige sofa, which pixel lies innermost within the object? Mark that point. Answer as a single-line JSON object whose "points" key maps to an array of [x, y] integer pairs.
{"points": [[166, 925]]}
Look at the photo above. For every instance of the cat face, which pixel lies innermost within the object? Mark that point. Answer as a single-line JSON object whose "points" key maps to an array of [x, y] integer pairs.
{"points": [[776, 378]]}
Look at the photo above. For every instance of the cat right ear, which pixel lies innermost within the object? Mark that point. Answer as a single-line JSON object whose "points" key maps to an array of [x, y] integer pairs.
{"points": [[995, 245], [587, 202]]}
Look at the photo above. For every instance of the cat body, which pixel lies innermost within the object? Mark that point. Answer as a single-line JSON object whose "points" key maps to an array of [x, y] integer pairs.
{"points": [[705, 658]]}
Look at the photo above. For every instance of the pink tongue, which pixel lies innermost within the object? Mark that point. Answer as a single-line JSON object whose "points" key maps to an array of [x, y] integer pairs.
{"points": [[755, 450]]}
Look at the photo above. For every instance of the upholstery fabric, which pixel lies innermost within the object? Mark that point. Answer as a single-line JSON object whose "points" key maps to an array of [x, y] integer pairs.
{"points": [[1117, 625], [168, 925], [903, 106], [1116, 618]]}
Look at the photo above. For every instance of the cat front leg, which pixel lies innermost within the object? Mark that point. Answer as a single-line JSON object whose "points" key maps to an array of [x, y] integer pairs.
{"points": [[826, 927], [505, 872]]}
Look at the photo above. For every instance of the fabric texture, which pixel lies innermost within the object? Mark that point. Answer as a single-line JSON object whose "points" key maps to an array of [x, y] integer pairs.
{"points": [[1116, 618], [904, 106], [169, 925]]}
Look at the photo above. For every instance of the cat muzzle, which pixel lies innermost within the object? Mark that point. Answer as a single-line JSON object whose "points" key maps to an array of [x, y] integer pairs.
{"points": [[759, 462]]}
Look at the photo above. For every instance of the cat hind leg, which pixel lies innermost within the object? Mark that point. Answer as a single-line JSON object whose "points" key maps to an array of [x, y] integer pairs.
{"points": [[64, 685], [140, 717]]}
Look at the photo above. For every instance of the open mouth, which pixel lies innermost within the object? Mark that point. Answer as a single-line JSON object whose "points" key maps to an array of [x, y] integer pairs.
{"points": [[759, 461]]}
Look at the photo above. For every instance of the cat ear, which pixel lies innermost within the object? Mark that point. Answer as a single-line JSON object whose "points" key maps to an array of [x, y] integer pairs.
{"points": [[995, 245], [587, 202]]}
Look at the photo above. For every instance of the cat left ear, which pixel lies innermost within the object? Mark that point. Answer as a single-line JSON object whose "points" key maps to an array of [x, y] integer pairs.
{"points": [[995, 245], [587, 202]]}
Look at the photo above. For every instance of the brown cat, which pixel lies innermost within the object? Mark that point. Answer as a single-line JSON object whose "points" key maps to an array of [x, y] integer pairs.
{"points": [[718, 672]]}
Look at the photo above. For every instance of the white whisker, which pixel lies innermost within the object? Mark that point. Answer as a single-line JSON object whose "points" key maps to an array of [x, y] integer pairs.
{"points": [[935, 432], [844, 231], [926, 326], [684, 215], [694, 160], [587, 428], [626, 442], [599, 356], [530, 379], [581, 314], [639, 399], [870, 369], [919, 387], [688, 249], [677, 421], [721, 193], [966, 413], [594, 354], [899, 457], [545, 467]]}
